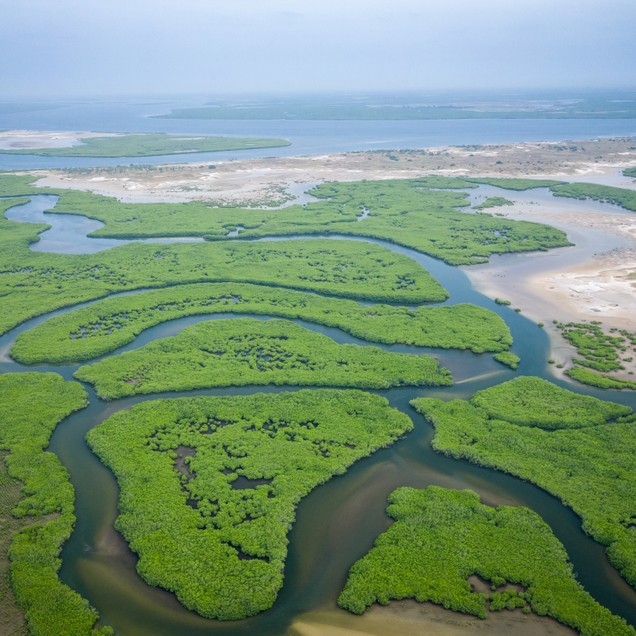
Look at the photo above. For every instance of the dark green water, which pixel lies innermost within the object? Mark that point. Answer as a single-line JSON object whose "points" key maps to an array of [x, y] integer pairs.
{"points": [[339, 521]]}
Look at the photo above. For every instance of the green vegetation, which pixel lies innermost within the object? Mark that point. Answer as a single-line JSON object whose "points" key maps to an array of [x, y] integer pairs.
{"points": [[629, 172], [147, 145], [493, 202], [501, 301], [585, 376], [606, 194], [408, 212], [441, 537], [599, 351], [31, 405], [244, 351], [99, 329], [517, 184], [33, 283], [209, 486], [507, 358], [584, 109], [581, 457]]}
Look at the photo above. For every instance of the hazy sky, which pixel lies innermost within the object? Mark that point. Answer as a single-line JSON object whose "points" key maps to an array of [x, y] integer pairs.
{"points": [[89, 47]]}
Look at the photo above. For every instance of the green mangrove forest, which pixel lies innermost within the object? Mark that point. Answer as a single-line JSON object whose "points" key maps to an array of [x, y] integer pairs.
{"points": [[599, 351], [33, 283], [244, 351], [578, 448], [441, 537], [507, 358], [102, 327], [209, 485], [37, 499], [420, 214], [147, 145], [493, 202]]}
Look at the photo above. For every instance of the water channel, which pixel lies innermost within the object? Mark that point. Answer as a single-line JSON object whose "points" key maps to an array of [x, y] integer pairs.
{"points": [[339, 521]]}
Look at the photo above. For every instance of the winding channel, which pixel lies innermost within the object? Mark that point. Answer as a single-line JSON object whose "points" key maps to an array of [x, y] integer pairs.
{"points": [[338, 522]]}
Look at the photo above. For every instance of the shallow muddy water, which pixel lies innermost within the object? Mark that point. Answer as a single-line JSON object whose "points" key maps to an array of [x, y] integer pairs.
{"points": [[339, 521]]}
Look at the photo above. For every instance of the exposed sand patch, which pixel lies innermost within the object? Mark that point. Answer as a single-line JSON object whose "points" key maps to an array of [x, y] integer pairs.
{"points": [[32, 139], [409, 618], [259, 181]]}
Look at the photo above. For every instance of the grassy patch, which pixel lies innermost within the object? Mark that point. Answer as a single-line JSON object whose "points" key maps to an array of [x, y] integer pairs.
{"points": [[31, 405], [94, 331], [147, 145], [629, 172], [244, 351], [563, 442], [441, 537], [209, 486]]}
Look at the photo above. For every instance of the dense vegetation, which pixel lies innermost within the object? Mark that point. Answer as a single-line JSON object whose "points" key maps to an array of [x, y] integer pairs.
{"points": [[629, 172], [31, 405], [441, 537], [99, 329], [493, 202], [507, 358], [419, 213], [209, 486], [147, 145], [580, 456], [244, 351], [516, 184], [607, 194], [599, 351], [585, 376], [33, 283]]}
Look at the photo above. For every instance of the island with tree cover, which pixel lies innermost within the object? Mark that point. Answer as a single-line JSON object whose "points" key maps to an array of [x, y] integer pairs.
{"points": [[209, 485], [420, 214], [104, 326], [441, 537], [493, 202], [578, 448], [247, 351], [37, 508], [148, 145]]}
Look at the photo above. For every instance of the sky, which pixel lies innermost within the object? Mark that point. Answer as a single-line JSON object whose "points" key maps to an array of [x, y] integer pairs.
{"points": [[83, 48]]}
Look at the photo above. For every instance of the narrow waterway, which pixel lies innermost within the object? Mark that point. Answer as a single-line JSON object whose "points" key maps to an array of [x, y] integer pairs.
{"points": [[339, 521]]}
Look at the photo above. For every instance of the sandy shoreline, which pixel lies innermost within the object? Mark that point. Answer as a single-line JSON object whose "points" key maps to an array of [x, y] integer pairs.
{"points": [[409, 618], [261, 181], [35, 139]]}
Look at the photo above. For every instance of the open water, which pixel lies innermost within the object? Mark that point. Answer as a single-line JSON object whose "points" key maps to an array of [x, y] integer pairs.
{"points": [[307, 137], [339, 521]]}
